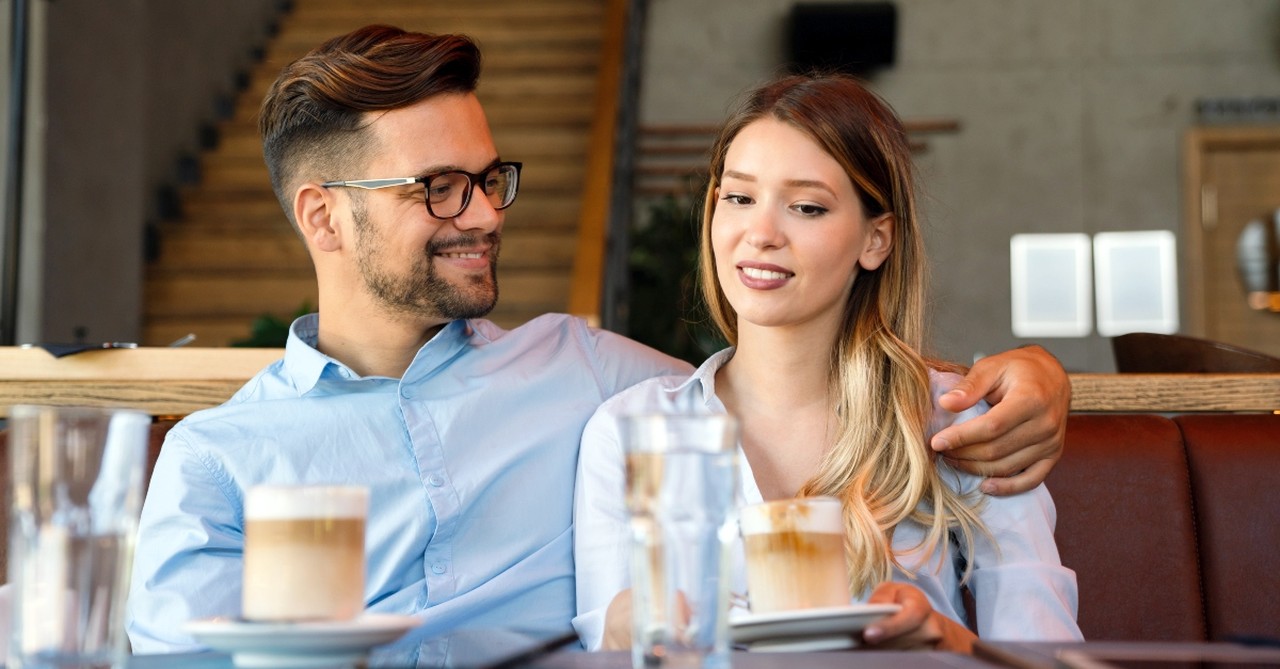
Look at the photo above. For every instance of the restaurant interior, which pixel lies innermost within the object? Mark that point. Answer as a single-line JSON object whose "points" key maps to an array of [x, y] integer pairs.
{"points": [[1100, 178]]}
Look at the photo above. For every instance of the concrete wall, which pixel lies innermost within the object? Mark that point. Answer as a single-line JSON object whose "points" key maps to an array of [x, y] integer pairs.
{"points": [[1072, 114], [123, 89]]}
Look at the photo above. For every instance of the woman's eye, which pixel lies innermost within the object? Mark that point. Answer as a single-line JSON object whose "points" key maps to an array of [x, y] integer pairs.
{"points": [[810, 209], [736, 198]]}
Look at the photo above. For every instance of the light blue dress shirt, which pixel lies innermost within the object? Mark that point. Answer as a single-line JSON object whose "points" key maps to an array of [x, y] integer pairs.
{"points": [[470, 460], [1019, 585]]}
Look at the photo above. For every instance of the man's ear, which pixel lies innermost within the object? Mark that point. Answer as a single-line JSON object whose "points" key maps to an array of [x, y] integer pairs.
{"points": [[879, 242], [315, 209]]}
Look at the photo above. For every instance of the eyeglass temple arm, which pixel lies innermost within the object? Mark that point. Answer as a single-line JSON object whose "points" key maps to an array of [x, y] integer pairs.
{"points": [[372, 184]]}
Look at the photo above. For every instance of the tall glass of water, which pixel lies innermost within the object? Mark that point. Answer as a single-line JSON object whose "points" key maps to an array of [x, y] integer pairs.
{"points": [[681, 489], [77, 489]]}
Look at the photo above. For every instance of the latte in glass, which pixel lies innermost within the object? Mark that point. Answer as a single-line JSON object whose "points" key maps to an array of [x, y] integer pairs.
{"points": [[304, 553], [795, 554]]}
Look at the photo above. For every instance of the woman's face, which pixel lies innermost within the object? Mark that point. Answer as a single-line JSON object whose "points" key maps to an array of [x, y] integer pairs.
{"points": [[788, 231]]}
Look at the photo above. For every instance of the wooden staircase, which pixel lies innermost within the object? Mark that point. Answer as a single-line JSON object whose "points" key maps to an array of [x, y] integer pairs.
{"points": [[232, 256]]}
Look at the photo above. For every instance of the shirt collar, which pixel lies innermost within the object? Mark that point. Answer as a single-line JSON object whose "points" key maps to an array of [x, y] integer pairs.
{"points": [[305, 364], [705, 378]]}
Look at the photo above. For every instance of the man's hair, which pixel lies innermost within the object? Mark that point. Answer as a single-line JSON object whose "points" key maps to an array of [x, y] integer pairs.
{"points": [[313, 122]]}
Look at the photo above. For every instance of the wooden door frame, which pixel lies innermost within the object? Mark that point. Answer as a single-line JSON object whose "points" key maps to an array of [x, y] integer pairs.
{"points": [[1197, 144]]}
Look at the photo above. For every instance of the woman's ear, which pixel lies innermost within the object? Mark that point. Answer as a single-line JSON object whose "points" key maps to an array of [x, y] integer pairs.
{"points": [[314, 208], [879, 242]]}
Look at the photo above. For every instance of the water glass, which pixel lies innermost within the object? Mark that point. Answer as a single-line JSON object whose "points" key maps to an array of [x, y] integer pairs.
{"points": [[681, 484], [77, 488]]}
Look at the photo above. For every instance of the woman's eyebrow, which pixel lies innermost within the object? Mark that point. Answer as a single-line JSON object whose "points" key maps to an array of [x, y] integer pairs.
{"points": [[809, 183]]}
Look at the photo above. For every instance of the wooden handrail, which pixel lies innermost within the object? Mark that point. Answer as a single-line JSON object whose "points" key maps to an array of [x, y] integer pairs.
{"points": [[177, 381], [588, 260], [160, 381], [1175, 393]]}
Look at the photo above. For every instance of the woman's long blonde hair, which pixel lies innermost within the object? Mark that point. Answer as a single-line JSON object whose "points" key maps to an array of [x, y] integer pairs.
{"points": [[879, 466]]}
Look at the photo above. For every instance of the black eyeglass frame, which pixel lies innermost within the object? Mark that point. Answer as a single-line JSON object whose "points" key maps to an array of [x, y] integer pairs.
{"points": [[473, 180]]}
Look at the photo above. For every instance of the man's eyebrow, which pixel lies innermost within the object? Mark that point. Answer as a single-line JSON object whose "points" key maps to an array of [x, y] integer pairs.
{"points": [[437, 169]]}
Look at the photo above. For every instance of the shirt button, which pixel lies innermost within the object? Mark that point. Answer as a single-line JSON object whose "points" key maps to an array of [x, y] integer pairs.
{"points": [[439, 568], [436, 480], [406, 393]]}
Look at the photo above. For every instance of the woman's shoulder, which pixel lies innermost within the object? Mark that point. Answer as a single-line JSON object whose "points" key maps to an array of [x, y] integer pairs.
{"points": [[676, 393]]}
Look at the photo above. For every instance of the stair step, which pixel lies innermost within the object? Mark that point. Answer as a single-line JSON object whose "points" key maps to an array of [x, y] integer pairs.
{"points": [[190, 293], [526, 92], [492, 9], [240, 145], [298, 37], [549, 175], [571, 57], [198, 249], [253, 211], [224, 330]]}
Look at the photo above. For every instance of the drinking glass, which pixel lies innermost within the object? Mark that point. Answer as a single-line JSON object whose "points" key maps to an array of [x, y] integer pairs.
{"points": [[77, 488], [681, 484]]}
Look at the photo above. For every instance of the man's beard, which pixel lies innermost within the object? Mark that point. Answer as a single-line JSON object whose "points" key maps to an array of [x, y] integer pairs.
{"points": [[422, 291]]}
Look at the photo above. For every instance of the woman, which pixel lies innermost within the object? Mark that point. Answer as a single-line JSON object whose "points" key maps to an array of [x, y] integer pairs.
{"points": [[812, 266]]}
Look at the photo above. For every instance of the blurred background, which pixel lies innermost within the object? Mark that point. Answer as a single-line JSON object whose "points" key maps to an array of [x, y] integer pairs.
{"points": [[1088, 167]]}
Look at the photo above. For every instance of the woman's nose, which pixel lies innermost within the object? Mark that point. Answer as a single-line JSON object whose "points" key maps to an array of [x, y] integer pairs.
{"points": [[763, 230]]}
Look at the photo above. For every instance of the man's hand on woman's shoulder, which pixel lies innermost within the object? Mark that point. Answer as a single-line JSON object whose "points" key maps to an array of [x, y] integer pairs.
{"points": [[1018, 441]]}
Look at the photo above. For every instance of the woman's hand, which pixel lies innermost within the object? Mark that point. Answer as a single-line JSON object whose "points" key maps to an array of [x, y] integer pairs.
{"points": [[1018, 441], [617, 623], [917, 626], [617, 620]]}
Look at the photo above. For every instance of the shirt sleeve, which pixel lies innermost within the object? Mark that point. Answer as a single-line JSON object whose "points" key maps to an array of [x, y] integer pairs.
{"points": [[188, 558], [1021, 590], [601, 538], [620, 363]]}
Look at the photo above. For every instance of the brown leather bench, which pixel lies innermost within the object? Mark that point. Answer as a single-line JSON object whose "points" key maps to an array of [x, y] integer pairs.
{"points": [[1172, 524]]}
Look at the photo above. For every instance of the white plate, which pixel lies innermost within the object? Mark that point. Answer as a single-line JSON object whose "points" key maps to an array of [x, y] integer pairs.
{"points": [[807, 629], [300, 645]]}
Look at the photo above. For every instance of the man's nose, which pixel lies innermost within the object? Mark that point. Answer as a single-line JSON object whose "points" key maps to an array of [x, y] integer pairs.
{"points": [[480, 213]]}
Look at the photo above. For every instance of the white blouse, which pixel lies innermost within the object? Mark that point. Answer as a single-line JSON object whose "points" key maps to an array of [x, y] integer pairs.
{"points": [[1020, 588]]}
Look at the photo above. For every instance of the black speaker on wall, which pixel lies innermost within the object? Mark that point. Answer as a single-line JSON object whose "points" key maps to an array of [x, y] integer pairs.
{"points": [[853, 37]]}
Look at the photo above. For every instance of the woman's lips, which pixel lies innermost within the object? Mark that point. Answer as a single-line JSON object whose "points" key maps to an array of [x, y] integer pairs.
{"points": [[761, 276]]}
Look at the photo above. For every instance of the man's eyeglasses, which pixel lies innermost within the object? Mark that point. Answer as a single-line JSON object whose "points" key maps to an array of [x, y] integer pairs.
{"points": [[448, 193]]}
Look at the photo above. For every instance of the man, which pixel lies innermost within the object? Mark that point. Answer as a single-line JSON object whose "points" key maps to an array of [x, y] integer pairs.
{"points": [[465, 434]]}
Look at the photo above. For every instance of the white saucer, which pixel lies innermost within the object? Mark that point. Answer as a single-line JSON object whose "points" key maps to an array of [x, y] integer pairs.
{"points": [[807, 629], [300, 645]]}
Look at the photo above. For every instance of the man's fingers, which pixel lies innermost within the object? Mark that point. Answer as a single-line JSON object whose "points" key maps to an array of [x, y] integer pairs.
{"points": [[1029, 478], [989, 436]]}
